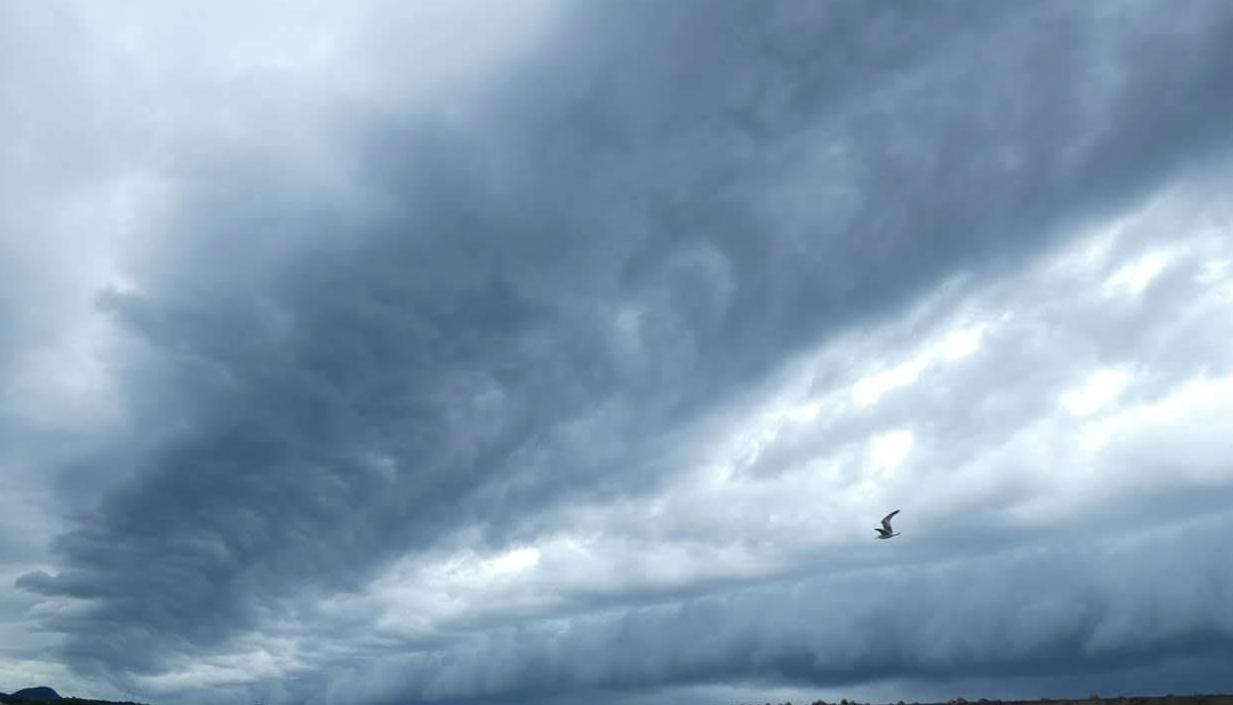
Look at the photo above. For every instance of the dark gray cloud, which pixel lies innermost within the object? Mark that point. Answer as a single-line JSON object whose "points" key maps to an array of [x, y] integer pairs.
{"points": [[365, 330]]}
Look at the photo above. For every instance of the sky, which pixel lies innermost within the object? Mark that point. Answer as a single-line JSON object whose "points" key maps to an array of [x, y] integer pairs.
{"points": [[381, 353]]}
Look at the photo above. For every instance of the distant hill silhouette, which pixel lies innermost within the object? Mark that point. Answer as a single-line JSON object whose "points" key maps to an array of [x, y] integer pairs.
{"points": [[37, 694], [43, 694]]}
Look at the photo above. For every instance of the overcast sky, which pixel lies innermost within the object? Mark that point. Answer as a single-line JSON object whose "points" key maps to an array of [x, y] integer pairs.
{"points": [[380, 353]]}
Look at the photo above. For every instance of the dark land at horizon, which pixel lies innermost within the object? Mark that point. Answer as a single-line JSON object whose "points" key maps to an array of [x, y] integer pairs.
{"points": [[39, 696]]}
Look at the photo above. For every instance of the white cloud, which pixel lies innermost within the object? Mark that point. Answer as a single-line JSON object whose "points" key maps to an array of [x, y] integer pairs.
{"points": [[1100, 389], [1132, 278], [887, 451]]}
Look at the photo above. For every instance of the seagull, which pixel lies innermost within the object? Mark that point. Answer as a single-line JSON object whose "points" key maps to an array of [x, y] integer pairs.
{"points": [[886, 531]]}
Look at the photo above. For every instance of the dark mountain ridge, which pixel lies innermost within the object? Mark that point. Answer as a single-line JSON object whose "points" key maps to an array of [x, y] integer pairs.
{"points": [[44, 694], [36, 694]]}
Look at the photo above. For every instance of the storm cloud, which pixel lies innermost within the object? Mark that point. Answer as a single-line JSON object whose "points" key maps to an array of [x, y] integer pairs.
{"points": [[426, 353]]}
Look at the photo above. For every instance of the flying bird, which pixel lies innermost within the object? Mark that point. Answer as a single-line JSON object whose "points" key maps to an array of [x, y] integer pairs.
{"points": [[886, 531]]}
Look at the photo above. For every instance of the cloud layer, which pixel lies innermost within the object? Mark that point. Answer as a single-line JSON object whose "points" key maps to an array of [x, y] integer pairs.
{"points": [[354, 366]]}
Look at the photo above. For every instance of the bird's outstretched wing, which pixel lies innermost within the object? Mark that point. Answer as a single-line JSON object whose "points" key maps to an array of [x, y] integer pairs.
{"points": [[886, 521]]}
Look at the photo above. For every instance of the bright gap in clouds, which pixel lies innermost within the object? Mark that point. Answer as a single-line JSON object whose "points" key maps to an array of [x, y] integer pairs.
{"points": [[946, 347], [888, 450], [1099, 389], [1132, 278]]}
